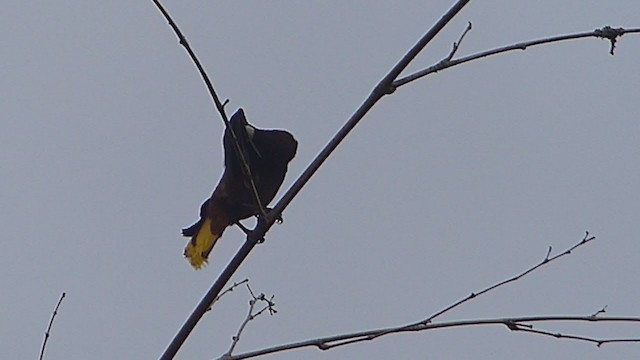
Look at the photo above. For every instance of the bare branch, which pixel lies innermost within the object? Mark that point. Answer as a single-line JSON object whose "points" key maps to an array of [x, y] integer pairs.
{"points": [[513, 324], [229, 289], [597, 341], [546, 260], [48, 332], [251, 315], [384, 87], [216, 100], [456, 45], [601, 311], [341, 340], [606, 32]]}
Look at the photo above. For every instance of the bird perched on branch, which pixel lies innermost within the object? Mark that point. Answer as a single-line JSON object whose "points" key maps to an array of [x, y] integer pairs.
{"points": [[267, 153]]}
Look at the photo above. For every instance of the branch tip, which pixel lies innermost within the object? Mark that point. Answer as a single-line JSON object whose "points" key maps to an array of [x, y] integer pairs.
{"points": [[48, 332], [456, 44], [606, 32], [251, 315], [548, 253], [601, 311], [587, 238]]}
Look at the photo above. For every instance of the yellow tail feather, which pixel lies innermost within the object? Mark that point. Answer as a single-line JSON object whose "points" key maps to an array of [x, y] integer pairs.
{"points": [[200, 246]]}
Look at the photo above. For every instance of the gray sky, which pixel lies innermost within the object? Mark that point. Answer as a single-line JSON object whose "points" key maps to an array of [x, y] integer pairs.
{"points": [[109, 144]]}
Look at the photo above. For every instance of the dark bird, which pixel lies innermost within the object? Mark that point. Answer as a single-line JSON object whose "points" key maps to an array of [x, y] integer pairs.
{"points": [[267, 152]]}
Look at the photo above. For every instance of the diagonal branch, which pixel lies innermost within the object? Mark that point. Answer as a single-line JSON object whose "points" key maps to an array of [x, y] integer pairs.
{"points": [[605, 33], [48, 332], [228, 290], [547, 259], [216, 100], [456, 45], [542, 263], [384, 87]]}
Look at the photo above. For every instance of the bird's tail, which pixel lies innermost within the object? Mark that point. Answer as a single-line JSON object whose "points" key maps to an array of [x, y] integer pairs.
{"points": [[202, 241]]}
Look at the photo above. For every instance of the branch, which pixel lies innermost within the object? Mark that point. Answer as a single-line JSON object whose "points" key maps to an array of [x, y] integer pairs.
{"points": [[605, 33], [514, 324], [219, 105], [426, 324], [270, 305], [229, 289], [456, 45], [474, 295], [47, 333], [384, 87]]}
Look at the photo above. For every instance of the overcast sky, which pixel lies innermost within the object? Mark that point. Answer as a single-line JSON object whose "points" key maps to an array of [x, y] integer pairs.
{"points": [[109, 144]]}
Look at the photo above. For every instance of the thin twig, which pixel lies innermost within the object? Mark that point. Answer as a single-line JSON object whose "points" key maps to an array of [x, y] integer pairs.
{"points": [[219, 105], [456, 45], [228, 290], [597, 341], [601, 311], [546, 260], [250, 316], [48, 332], [425, 323], [384, 87], [236, 338], [606, 32], [514, 324]]}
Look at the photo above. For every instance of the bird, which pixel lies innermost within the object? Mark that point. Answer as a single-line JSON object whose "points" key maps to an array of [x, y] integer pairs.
{"points": [[267, 153]]}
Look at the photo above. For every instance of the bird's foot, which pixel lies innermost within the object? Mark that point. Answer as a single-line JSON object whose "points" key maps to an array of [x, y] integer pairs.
{"points": [[247, 231], [278, 219], [243, 228]]}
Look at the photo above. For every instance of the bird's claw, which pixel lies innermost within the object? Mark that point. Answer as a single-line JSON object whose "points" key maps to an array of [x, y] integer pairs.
{"points": [[243, 228], [278, 218]]}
